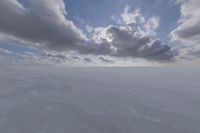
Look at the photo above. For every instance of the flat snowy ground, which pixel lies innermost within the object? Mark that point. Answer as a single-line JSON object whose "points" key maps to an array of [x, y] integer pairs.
{"points": [[45, 99]]}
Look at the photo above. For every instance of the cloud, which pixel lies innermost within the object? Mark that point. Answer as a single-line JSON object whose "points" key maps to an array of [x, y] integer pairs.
{"points": [[54, 57], [188, 29], [53, 54], [105, 60], [134, 38], [39, 22], [89, 29], [190, 53], [5, 51], [45, 24], [135, 17], [87, 59], [151, 25], [187, 33], [132, 17], [127, 41]]}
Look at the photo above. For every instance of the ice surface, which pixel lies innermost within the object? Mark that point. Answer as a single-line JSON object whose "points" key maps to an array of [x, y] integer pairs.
{"points": [[46, 99]]}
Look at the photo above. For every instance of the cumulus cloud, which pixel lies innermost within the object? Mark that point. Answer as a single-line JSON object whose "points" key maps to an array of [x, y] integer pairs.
{"points": [[135, 37], [89, 28], [130, 17], [187, 33], [135, 17], [127, 41], [188, 30], [44, 23], [151, 25], [40, 22]]}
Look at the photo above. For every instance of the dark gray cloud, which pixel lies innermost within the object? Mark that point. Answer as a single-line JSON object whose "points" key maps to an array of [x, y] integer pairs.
{"points": [[188, 32], [105, 60], [43, 23], [87, 59], [126, 43], [39, 21], [55, 55]]}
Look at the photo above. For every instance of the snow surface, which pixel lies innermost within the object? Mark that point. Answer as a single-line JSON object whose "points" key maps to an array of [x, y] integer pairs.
{"points": [[46, 99]]}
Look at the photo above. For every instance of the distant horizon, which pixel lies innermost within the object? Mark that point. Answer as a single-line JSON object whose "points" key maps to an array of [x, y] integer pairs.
{"points": [[99, 66]]}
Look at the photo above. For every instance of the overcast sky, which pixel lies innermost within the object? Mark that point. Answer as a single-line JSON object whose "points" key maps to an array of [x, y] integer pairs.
{"points": [[102, 32]]}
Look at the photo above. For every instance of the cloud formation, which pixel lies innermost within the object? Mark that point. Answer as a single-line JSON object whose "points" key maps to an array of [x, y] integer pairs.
{"points": [[189, 24], [135, 37], [4, 51], [39, 22], [130, 17], [45, 23], [127, 41], [188, 30]]}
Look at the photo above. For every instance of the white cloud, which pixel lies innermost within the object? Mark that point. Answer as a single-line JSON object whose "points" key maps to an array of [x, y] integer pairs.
{"points": [[187, 33], [146, 26], [100, 34], [5, 51], [89, 28], [132, 17], [188, 30], [151, 25]]}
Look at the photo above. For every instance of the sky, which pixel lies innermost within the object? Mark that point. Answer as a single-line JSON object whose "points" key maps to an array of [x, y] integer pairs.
{"points": [[106, 32]]}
